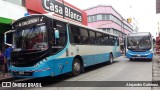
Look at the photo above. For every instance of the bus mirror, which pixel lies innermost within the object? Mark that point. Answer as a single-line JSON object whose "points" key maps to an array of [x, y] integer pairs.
{"points": [[8, 37], [56, 34]]}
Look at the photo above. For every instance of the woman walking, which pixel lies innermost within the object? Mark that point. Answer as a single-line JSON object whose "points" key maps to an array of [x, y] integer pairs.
{"points": [[2, 64]]}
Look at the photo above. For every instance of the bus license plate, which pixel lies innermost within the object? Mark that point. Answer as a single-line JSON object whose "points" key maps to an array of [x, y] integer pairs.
{"points": [[21, 73], [138, 55]]}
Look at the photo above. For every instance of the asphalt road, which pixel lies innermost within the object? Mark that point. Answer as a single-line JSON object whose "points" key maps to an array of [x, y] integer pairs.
{"points": [[121, 70]]}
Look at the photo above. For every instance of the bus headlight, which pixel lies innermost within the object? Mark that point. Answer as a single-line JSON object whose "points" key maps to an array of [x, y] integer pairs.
{"points": [[151, 50], [126, 50]]}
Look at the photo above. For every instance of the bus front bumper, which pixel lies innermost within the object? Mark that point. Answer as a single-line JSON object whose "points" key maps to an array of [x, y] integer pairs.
{"points": [[139, 56], [31, 72]]}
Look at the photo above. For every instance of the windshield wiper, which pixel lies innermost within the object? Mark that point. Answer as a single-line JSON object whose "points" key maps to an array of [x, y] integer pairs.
{"points": [[142, 40], [147, 44], [26, 37], [23, 43], [31, 32]]}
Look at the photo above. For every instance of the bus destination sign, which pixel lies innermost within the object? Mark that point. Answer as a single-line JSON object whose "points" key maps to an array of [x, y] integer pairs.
{"points": [[26, 22]]}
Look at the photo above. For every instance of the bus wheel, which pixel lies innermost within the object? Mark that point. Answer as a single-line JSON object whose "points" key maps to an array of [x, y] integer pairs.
{"points": [[110, 59], [76, 67]]}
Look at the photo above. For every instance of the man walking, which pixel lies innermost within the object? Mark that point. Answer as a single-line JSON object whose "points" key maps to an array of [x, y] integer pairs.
{"points": [[8, 56]]}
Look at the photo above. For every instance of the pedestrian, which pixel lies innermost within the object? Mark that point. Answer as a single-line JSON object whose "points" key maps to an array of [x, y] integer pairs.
{"points": [[8, 56], [2, 64]]}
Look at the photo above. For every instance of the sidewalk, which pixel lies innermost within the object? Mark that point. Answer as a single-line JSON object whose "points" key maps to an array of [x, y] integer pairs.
{"points": [[5, 78], [156, 70]]}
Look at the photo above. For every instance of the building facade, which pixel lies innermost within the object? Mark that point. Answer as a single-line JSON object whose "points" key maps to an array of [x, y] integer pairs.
{"points": [[158, 17], [157, 6], [158, 25], [108, 19]]}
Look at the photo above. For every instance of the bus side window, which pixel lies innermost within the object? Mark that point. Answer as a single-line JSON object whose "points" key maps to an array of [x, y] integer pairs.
{"points": [[111, 40], [84, 36], [106, 40], [75, 34], [92, 37], [98, 38]]}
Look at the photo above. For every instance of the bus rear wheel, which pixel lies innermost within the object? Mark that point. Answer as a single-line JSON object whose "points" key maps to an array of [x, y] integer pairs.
{"points": [[110, 59], [76, 67]]}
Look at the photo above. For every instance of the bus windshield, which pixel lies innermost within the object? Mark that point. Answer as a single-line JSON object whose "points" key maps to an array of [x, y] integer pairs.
{"points": [[34, 38], [139, 43]]}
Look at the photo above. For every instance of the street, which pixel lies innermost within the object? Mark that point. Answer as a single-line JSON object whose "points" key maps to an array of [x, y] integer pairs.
{"points": [[121, 70]]}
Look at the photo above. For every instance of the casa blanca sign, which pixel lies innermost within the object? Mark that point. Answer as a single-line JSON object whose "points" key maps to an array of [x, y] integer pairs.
{"points": [[61, 9]]}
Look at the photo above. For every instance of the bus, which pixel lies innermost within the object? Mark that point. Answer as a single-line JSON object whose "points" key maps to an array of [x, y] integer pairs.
{"points": [[45, 45], [139, 46]]}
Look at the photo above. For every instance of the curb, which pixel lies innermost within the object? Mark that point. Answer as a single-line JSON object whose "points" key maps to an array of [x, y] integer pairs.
{"points": [[7, 79]]}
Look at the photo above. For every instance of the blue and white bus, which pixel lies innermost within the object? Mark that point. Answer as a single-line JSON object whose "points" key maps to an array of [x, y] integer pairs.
{"points": [[45, 45], [139, 46]]}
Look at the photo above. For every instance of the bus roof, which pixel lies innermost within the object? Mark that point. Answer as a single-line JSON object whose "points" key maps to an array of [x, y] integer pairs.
{"points": [[68, 21], [139, 34]]}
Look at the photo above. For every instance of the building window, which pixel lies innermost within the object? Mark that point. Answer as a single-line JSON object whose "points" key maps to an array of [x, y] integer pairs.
{"points": [[107, 17], [115, 19], [99, 17], [104, 29], [108, 30], [95, 18], [92, 18], [89, 19], [103, 17]]}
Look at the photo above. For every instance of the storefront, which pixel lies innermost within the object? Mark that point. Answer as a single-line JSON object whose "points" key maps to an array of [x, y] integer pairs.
{"points": [[58, 8]]}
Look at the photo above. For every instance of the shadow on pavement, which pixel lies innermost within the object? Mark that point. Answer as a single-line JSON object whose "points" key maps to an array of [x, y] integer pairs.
{"points": [[140, 60]]}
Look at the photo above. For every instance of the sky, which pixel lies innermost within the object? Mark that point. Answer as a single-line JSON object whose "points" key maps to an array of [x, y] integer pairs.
{"points": [[144, 11]]}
